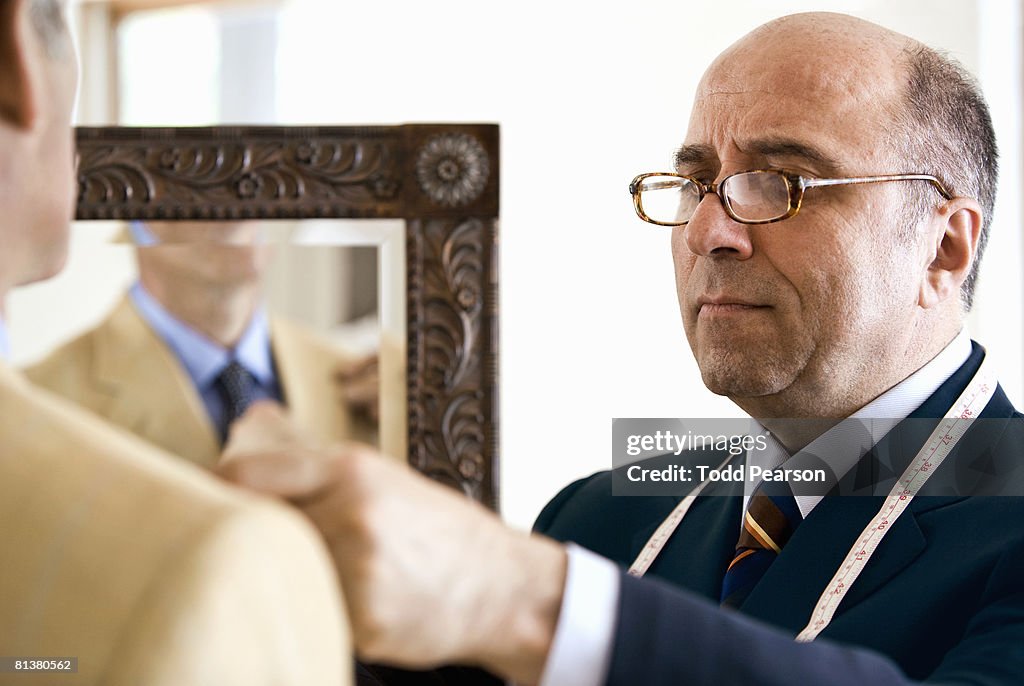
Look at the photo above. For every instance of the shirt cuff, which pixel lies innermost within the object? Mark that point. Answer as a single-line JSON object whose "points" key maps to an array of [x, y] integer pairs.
{"points": [[581, 651]]}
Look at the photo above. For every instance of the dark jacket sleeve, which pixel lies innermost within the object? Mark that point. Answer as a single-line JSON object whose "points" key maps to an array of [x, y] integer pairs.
{"points": [[379, 675], [667, 636]]}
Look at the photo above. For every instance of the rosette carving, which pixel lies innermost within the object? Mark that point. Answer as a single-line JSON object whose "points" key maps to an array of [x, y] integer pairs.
{"points": [[452, 169]]}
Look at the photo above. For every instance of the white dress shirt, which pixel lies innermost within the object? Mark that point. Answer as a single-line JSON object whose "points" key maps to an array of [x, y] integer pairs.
{"points": [[581, 650]]}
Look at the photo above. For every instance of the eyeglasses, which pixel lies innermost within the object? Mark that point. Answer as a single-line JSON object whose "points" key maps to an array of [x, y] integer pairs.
{"points": [[760, 196]]}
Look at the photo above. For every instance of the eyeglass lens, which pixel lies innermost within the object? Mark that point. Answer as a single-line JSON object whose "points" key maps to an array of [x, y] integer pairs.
{"points": [[757, 196], [754, 196], [669, 199]]}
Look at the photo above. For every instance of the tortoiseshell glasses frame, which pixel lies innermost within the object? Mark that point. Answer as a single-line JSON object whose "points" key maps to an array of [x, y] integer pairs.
{"points": [[764, 187]]}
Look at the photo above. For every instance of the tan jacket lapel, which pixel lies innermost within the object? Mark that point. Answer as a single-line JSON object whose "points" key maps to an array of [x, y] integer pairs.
{"points": [[306, 367], [149, 392]]}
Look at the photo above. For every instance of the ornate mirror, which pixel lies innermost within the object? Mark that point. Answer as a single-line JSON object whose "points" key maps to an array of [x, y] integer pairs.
{"points": [[439, 181]]}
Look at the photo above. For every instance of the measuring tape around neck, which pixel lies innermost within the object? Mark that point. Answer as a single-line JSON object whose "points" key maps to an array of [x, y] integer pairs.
{"points": [[665, 530], [940, 443]]}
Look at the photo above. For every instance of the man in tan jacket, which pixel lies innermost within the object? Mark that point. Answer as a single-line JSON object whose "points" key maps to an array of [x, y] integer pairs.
{"points": [[160, 363], [131, 567]]}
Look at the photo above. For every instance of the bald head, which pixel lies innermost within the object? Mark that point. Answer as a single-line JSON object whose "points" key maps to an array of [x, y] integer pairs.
{"points": [[814, 34], [912, 109], [813, 55]]}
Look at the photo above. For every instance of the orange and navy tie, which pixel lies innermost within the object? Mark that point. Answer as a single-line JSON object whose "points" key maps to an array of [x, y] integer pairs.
{"points": [[770, 520]]}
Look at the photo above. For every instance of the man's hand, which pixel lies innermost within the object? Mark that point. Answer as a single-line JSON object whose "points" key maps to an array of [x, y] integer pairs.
{"points": [[265, 427], [429, 577]]}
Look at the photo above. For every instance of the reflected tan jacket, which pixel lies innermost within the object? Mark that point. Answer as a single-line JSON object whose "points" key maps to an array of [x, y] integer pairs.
{"points": [[124, 372], [148, 570]]}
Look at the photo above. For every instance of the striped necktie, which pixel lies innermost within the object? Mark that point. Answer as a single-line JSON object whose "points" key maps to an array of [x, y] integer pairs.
{"points": [[770, 520]]}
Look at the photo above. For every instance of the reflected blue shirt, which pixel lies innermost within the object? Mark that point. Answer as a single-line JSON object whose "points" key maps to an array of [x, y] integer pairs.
{"points": [[204, 359]]}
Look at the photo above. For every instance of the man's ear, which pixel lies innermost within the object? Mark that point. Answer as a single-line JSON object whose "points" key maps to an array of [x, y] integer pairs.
{"points": [[17, 90], [959, 227]]}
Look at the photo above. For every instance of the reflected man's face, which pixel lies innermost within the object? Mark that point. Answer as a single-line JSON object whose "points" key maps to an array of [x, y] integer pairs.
{"points": [[214, 253]]}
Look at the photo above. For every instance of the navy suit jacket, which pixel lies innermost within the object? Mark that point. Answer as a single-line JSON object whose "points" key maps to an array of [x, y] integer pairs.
{"points": [[941, 601]]}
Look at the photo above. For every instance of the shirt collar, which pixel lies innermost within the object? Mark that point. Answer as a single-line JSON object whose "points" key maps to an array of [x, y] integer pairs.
{"points": [[203, 358], [5, 342], [847, 442], [253, 349], [141, 235]]}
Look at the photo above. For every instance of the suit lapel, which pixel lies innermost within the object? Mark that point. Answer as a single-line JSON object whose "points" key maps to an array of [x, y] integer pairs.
{"points": [[300, 390], [697, 555], [307, 365], [149, 393], [790, 589]]}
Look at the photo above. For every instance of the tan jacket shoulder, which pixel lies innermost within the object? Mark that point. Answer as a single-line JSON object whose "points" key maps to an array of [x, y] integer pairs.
{"points": [[122, 371], [147, 569]]}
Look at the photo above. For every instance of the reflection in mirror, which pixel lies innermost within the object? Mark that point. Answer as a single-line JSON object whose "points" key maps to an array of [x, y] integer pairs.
{"points": [[179, 326]]}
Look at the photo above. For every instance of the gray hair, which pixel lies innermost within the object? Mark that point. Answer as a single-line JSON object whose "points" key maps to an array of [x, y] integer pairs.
{"points": [[47, 17], [947, 132]]}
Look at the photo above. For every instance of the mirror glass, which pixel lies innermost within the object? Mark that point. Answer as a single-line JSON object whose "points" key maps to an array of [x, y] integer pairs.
{"points": [[145, 315]]}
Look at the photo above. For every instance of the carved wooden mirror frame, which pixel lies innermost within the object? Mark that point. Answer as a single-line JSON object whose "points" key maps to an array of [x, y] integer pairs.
{"points": [[441, 179]]}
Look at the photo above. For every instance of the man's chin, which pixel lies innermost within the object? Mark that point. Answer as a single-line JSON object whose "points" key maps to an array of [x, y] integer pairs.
{"points": [[737, 378]]}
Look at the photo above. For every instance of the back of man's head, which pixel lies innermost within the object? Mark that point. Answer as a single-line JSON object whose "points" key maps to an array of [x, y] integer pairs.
{"points": [[38, 77]]}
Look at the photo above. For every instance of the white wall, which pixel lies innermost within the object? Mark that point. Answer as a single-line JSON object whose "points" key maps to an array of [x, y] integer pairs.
{"points": [[996, 320], [47, 313]]}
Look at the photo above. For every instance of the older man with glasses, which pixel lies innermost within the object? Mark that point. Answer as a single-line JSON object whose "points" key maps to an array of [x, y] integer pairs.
{"points": [[853, 172]]}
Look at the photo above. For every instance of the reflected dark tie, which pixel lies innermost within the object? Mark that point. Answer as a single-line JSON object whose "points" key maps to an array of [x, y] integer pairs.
{"points": [[770, 520], [236, 387]]}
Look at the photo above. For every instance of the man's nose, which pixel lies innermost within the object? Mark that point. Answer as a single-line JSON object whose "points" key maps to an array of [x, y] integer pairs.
{"points": [[713, 233]]}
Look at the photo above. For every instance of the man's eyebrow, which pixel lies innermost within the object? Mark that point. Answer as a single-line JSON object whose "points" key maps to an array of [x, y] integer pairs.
{"points": [[697, 153], [784, 147], [693, 154]]}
